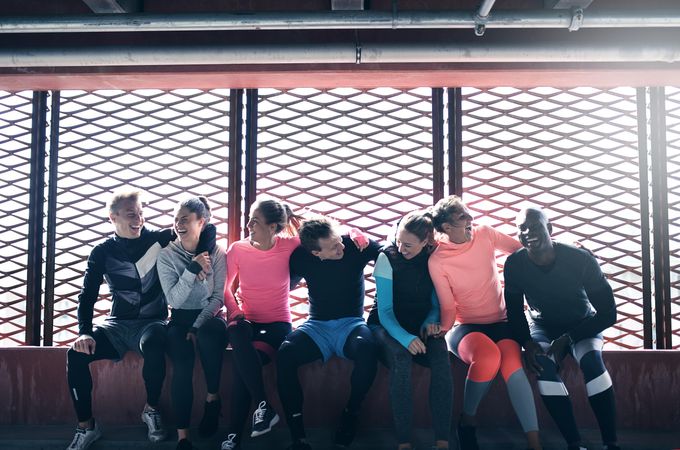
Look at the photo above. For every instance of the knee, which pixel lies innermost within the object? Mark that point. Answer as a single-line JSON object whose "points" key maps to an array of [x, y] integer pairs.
{"points": [[154, 342], [285, 357], [212, 332], [240, 333], [75, 359]]}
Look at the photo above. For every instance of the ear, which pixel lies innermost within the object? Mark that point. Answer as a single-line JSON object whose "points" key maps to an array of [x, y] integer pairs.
{"points": [[446, 227], [112, 217], [316, 253]]}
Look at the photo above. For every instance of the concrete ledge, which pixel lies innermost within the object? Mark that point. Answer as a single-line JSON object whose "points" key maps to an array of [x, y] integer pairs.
{"points": [[33, 383]]}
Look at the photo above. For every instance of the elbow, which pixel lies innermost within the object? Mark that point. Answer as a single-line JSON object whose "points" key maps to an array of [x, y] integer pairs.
{"points": [[610, 317]]}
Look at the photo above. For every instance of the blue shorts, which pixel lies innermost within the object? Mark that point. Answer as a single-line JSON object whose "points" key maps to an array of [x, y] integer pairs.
{"points": [[331, 335]]}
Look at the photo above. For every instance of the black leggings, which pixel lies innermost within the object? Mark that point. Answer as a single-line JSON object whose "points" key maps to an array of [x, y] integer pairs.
{"points": [[254, 345], [152, 346], [211, 342], [299, 349]]}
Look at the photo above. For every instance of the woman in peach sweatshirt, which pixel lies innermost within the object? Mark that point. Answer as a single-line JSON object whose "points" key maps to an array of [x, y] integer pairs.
{"points": [[464, 272]]}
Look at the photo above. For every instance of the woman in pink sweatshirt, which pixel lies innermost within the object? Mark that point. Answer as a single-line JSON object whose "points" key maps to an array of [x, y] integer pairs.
{"points": [[258, 311], [464, 272]]}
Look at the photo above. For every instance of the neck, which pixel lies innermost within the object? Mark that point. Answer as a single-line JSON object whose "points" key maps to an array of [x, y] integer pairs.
{"points": [[543, 257], [264, 245], [456, 239], [189, 245]]}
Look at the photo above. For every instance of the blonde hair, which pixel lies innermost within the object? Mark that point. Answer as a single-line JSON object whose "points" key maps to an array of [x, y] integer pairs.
{"points": [[119, 197]]}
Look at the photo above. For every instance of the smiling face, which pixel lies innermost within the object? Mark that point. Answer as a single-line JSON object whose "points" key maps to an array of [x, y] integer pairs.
{"points": [[258, 229], [128, 219], [188, 226], [331, 247], [458, 227], [534, 231], [409, 245]]}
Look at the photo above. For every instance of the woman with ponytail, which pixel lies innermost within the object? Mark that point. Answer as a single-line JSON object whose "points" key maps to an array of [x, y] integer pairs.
{"points": [[405, 321], [193, 283], [258, 311], [465, 275]]}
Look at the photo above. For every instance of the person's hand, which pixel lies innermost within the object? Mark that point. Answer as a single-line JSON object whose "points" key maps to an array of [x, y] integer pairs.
{"points": [[559, 347], [416, 346], [578, 244], [85, 344], [201, 276], [531, 350], [431, 329], [360, 240], [191, 335], [235, 316], [203, 259]]}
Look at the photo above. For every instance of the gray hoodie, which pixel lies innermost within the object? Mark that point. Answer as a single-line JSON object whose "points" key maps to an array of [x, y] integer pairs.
{"points": [[181, 287]]}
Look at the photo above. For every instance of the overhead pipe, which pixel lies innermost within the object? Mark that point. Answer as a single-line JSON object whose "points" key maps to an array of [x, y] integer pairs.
{"points": [[482, 15], [337, 20], [349, 53]]}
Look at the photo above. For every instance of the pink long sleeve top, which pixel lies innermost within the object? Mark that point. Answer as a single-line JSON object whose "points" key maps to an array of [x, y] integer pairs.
{"points": [[264, 280], [465, 277]]}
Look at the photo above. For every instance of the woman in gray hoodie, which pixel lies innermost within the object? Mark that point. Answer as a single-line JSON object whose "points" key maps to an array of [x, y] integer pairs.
{"points": [[194, 288]]}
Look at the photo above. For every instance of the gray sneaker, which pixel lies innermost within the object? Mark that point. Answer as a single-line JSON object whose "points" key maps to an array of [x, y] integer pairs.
{"points": [[230, 443], [152, 419], [84, 437]]}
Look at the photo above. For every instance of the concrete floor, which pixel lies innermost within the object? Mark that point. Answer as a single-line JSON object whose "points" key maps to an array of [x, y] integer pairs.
{"points": [[58, 438]]}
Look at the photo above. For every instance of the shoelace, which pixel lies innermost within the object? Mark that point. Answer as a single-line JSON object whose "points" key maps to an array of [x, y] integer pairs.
{"points": [[155, 419], [259, 412], [229, 443], [80, 435]]}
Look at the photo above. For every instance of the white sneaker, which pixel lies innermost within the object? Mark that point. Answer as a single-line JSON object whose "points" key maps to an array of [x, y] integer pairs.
{"points": [[84, 437], [152, 419], [230, 443]]}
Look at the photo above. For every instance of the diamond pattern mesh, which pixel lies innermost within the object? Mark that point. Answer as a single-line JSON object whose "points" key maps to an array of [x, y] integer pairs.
{"points": [[165, 143], [673, 154], [363, 157], [574, 153], [15, 167]]}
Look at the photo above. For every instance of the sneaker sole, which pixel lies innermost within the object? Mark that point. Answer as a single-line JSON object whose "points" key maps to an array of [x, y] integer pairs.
{"points": [[274, 421]]}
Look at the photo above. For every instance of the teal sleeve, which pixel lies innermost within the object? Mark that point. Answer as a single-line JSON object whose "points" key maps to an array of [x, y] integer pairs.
{"points": [[434, 315], [383, 283]]}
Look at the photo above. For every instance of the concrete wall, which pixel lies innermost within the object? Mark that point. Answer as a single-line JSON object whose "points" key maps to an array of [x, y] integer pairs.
{"points": [[34, 391]]}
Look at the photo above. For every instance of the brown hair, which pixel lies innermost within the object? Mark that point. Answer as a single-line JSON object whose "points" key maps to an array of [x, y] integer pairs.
{"points": [[312, 230], [278, 213], [444, 209]]}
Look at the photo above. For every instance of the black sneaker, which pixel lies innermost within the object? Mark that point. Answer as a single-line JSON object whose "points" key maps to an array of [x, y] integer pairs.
{"points": [[211, 417], [347, 429], [231, 443], [264, 418], [299, 445], [467, 437]]}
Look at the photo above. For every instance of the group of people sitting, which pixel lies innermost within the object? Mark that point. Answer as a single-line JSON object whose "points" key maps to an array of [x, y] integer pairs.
{"points": [[437, 290]]}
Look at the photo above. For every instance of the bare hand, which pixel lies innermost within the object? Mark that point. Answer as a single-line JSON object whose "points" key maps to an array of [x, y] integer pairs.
{"points": [[578, 244], [191, 336], [360, 240], [431, 329], [203, 259], [559, 347], [85, 344], [201, 276], [531, 350], [235, 316], [416, 346]]}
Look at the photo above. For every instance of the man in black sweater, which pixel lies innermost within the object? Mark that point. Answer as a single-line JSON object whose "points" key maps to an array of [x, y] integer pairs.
{"points": [[333, 268], [570, 304], [127, 261]]}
